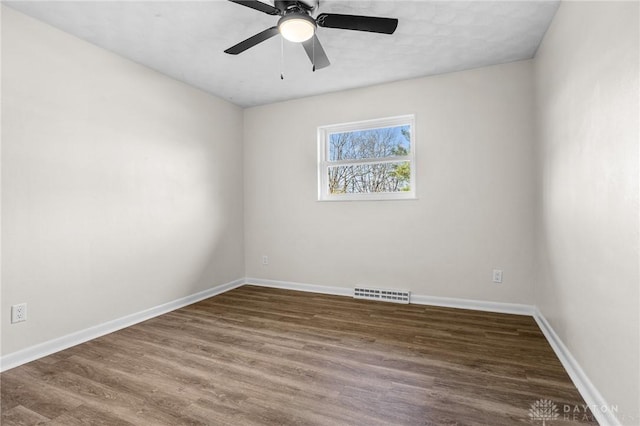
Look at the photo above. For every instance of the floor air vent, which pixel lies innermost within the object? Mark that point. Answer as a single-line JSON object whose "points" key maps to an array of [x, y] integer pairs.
{"points": [[396, 296]]}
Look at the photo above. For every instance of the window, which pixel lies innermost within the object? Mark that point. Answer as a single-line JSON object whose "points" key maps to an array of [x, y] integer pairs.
{"points": [[367, 160]]}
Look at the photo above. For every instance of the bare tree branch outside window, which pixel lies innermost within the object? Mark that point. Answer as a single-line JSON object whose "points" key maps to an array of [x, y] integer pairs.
{"points": [[376, 161]]}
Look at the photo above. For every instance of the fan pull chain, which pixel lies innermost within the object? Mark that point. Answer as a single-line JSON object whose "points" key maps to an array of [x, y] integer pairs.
{"points": [[281, 58], [313, 50]]}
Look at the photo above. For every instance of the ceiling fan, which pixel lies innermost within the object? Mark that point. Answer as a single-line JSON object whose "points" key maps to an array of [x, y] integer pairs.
{"points": [[296, 24]]}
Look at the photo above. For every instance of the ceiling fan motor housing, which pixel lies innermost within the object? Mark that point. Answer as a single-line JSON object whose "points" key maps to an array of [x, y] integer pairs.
{"points": [[289, 6]]}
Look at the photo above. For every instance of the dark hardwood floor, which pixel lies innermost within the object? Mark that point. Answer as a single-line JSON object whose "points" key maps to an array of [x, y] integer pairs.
{"points": [[265, 356]]}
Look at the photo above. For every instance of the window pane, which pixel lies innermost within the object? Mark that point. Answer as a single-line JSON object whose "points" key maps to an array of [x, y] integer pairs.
{"points": [[373, 143], [370, 178]]}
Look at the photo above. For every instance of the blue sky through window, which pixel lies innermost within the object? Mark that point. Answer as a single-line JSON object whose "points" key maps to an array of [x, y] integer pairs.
{"points": [[370, 143]]}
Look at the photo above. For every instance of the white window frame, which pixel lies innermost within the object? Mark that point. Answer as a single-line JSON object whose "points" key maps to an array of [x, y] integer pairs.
{"points": [[324, 132]]}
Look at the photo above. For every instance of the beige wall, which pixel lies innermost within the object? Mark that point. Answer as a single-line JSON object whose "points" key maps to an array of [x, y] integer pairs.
{"points": [[475, 190], [586, 72], [121, 187]]}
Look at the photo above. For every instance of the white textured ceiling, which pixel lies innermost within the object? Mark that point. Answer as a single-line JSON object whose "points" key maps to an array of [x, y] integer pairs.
{"points": [[186, 40]]}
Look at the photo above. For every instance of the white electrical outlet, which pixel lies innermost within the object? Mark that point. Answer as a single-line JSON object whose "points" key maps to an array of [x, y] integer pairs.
{"points": [[497, 275], [265, 260], [19, 313]]}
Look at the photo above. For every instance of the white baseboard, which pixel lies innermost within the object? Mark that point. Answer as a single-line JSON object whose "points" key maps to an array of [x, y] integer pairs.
{"points": [[311, 288], [47, 348], [478, 305], [598, 405]]}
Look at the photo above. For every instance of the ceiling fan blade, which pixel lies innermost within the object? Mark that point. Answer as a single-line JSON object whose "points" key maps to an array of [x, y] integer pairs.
{"points": [[316, 54], [252, 41], [359, 23], [258, 5]]}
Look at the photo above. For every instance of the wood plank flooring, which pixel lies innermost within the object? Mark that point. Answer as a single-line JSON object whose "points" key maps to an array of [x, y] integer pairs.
{"points": [[260, 356]]}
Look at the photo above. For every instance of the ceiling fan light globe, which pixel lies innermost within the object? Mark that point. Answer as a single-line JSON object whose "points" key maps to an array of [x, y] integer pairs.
{"points": [[297, 27]]}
